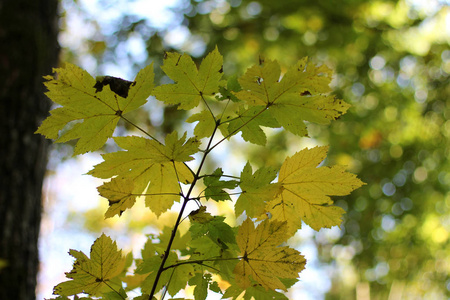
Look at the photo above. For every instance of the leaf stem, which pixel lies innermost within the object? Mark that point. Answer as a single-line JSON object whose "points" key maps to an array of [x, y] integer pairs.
{"points": [[140, 129], [239, 128], [200, 262]]}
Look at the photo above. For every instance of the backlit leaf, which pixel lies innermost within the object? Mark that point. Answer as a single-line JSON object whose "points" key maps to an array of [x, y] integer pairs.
{"points": [[300, 95], [154, 169], [119, 192], [215, 187], [257, 190], [263, 259], [95, 113], [305, 191], [205, 126], [93, 275], [249, 121], [191, 84]]}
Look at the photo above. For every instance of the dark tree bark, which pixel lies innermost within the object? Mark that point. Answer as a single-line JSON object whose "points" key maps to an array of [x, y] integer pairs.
{"points": [[28, 50]]}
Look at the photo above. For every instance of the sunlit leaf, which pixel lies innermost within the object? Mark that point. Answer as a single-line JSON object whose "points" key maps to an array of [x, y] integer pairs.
{"points": [[257, 190], [96, 112], [94, 275], [215, 187], [306, 190], [154, 169], [263, 259], [300, 95], [191, 84]]}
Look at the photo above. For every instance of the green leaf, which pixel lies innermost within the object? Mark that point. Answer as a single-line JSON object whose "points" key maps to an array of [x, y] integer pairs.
{"points": [[151, 266], [214, 228], [205, 126], [200, 215], [257, 190], [96, 113], [255, 291], [94, 275], [143, 297], [179, 277], [176, 277], [179, 241], [115, 295], [191, 85], [232, 86], [215, 187], [299, 96], [155, 169], [249, 121], [204, 248], [201, 285]]}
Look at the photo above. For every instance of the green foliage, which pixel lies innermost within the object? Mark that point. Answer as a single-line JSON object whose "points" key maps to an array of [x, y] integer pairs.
{"points": [[250, 257]]}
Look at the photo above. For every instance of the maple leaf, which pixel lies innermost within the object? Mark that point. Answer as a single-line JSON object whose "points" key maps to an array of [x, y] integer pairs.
{"points": [[200, 215], [263, 259], [154, 169], [119, 192], [206, 123], [253, 292], [95, 113], [305, 191], [299, 96], [192, 84], [212, 227], [215, 187], [201, 285], [94, 275], [257, 190], [177, 276], [227, 92], [249, 121]]}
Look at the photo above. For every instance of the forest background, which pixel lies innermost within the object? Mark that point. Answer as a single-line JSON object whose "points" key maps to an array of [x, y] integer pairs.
{"points": [[392, 63]]}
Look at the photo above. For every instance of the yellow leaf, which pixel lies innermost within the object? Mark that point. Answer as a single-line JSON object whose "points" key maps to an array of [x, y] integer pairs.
{"points": [[150, 166], [305, 191], [301, 95], [119, 192], [93, 275], [191, 84], [263, 259], [95, 113], [163, 189]]}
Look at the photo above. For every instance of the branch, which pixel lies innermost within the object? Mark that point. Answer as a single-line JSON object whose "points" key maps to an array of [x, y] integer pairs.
{"points": [[180, 214]]}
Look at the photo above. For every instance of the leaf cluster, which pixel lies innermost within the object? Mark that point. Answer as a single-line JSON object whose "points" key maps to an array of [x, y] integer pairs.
{"points": [[251, 258]]}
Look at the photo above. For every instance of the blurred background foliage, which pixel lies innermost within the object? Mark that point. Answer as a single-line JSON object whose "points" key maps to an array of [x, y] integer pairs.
{"points": [[392, 63]]}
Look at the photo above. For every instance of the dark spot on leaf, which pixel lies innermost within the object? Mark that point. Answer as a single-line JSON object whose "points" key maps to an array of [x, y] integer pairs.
{"points": [[305, 93], [117, 85], [111, 202]]}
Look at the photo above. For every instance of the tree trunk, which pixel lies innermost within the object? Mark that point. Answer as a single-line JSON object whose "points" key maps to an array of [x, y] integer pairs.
{"points": [[28, 50]]}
